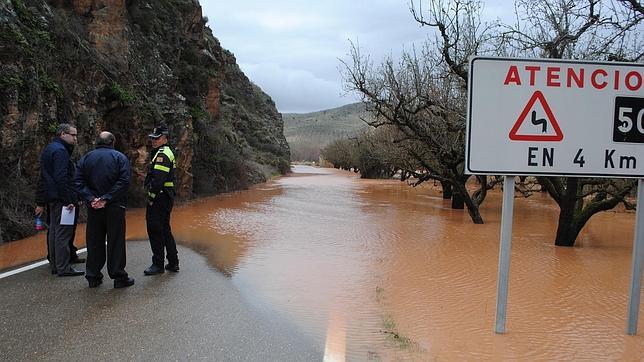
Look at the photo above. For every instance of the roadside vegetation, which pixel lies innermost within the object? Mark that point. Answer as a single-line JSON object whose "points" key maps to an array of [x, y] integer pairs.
{"points": [[418, 99]]}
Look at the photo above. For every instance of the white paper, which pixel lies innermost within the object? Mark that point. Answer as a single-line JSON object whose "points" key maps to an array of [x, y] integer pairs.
{"points": [[67, 216]]}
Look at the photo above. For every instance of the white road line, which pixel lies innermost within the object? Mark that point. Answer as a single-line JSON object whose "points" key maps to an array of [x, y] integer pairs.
{"points": [[30, 266]]}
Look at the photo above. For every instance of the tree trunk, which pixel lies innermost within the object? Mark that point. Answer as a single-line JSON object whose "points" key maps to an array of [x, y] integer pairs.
{"points": [[447, 190], [458, 201], [567, 234], [460, 192], [568, 229]]}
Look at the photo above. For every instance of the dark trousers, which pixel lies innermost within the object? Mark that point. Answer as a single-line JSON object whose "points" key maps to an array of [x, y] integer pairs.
{"points": [[157, 218], [72, 248], [109, 223], [58, 239]]}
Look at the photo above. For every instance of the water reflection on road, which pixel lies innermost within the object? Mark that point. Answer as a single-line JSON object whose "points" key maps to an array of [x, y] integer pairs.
{"points": [[380, 270]]}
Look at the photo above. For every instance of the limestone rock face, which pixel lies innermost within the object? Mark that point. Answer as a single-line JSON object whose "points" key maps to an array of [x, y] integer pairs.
{"points": [[126, 66]]}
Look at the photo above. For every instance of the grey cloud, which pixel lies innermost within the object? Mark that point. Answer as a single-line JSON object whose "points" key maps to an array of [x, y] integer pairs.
{"points": [[291, 48]]}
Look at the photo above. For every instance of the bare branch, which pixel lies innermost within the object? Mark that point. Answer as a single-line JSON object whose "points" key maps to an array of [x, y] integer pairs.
{"points": [[635, 5]]}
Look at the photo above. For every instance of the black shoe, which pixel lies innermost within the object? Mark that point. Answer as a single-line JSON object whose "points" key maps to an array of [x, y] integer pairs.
{"points": [[172, 267], [54, 272], [153, 270], [123, 283], [93, 283], [71, 273], [77, 260]]}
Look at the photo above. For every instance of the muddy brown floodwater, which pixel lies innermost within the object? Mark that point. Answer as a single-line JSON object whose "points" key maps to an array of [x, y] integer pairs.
{"points": [[377, 270]]}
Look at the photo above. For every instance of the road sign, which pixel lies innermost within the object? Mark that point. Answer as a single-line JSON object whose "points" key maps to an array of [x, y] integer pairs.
{"points": [[555, 117], [539, 133]]}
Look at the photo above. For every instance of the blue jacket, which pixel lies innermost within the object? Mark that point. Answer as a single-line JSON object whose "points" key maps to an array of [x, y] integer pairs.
{"points": [[57, 172], [103, 173]]}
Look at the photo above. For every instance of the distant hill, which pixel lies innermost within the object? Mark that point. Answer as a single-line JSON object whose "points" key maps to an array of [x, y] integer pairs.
{"points": [[307, 133]]}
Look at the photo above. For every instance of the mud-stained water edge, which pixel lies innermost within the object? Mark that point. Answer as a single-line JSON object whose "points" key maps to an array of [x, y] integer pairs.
{"points": [[380, 270]]}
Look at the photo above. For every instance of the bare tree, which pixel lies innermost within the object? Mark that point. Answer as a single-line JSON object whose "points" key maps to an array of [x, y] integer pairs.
{"points": [[424, 95], [591, 30], [377, 153], [340, 153]]}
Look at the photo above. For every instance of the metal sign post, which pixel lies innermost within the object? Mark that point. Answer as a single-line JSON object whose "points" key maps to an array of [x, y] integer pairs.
{"points": [[504, 253], [638, 255]]}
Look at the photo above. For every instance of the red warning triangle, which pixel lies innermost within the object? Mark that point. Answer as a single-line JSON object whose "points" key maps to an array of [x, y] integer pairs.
{"points": [[558, 136]]}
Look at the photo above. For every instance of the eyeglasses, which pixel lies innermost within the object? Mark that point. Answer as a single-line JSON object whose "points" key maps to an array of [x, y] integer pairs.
{"points": [[72, 134]]}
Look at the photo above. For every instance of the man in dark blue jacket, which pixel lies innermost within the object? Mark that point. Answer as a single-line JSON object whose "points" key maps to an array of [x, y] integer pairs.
{"points": [[102, 179], [57, 172]]}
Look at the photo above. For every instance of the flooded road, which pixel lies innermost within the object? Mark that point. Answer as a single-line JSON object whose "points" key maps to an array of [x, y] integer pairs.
{"points": [[379, 270]]}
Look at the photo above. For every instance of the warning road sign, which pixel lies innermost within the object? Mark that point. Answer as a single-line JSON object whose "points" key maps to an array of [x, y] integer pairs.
{"points": [[555, 117], [547, 129]]}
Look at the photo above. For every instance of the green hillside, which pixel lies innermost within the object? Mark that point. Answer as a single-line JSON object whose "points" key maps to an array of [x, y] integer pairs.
{"points": [[307, 133]]}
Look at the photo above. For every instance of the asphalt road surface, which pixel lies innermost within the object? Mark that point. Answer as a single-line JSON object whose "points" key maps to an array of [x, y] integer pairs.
{"points": [[196, 314]]}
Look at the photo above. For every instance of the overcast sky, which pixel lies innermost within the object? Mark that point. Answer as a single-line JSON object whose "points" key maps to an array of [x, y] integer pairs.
{"points": [[291, 48]]}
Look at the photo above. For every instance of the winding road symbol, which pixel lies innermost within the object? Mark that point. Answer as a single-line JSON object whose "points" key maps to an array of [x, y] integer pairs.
{"points": [[543, 122]]}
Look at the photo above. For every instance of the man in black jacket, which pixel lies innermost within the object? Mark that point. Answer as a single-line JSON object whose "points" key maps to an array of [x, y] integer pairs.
{"points": [[57, 171], [102, 179]]}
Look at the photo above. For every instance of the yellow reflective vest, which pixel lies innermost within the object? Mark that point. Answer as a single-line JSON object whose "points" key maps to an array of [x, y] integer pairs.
{"points": [[161, 172]]}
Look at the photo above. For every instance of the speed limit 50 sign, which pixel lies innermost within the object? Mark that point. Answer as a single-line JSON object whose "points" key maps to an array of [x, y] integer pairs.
{"points": [[555, 117], [628, 120]]}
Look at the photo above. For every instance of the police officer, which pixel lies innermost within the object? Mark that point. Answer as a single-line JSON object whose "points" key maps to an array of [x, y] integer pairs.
{"points": [[159, 184]]}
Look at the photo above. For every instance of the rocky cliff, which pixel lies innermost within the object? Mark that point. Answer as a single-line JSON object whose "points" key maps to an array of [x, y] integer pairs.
{"points": [[126, 66]]}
